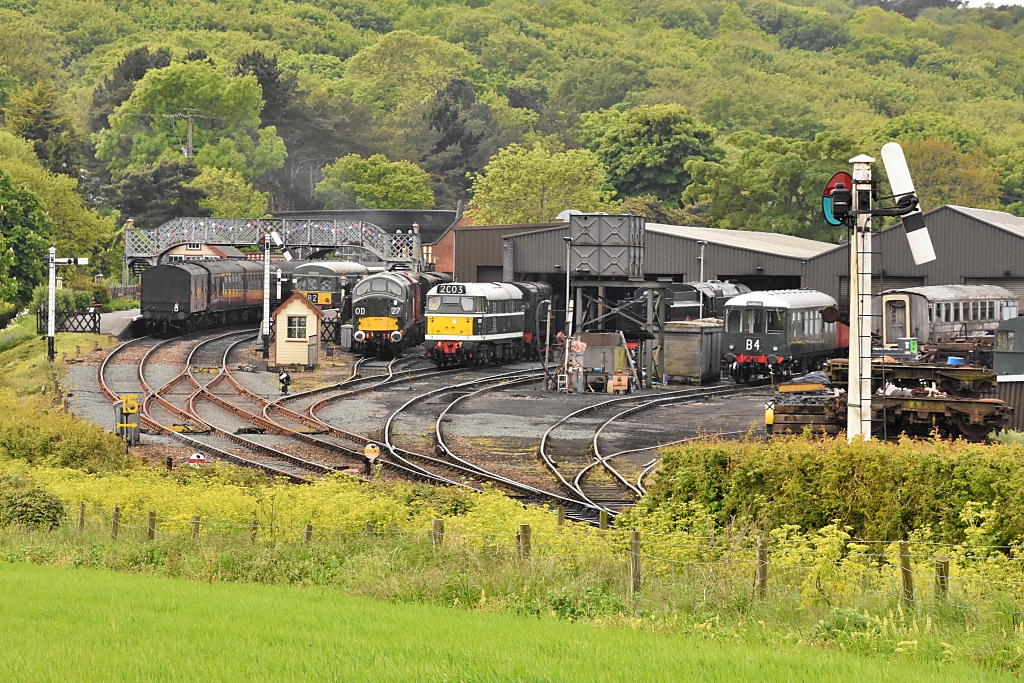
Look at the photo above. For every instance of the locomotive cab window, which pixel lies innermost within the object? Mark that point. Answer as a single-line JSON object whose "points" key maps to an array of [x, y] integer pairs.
{"points": [[753, 321], [379, 285], [776, 321], [732, 320]]}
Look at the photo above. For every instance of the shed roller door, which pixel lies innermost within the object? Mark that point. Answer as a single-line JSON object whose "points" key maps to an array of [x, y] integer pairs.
{"points": [[1015, 285]]}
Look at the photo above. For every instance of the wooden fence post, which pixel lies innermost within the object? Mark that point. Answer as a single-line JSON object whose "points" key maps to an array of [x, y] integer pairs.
{"points": [[253, 526], [151, 527], [195, 527], [170, 463], [437, 532], [81, 518], [906, 577], [369, 530], [941, 576], [561, 515], [307, 536], [761, 570], [523, 538], [634, 562], [603, 519], [115, 525]]}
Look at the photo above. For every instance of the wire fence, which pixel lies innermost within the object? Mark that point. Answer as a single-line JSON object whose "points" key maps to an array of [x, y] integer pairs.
{"points": [[826, 568]]}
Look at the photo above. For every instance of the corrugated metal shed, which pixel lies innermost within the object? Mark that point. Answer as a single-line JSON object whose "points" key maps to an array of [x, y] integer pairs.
{"points": [[973, 246], [474, 253], [771, 242]]}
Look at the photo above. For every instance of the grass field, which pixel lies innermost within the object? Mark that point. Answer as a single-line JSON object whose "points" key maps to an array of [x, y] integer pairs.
{"points": [[91, 625]]}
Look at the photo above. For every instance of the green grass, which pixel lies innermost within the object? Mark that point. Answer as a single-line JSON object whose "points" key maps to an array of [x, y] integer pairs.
{"points": [[94, 625]]}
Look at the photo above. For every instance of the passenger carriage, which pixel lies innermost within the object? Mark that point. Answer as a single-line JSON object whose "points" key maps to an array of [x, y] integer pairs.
{"points": [[944, 312], [779, 332]]}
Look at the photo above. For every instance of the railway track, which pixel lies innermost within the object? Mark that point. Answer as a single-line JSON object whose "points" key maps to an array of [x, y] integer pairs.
{"points": [[590, 474], [451, 461]]}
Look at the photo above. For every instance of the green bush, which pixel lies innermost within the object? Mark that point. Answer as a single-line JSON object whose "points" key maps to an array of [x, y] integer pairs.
{"points": [[100, 294], [23, 502], [7, 313], [881, 491], [59, 440], [67, 299]]}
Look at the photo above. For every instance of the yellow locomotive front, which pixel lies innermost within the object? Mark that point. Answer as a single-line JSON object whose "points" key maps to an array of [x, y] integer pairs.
{"points": [[474, 323]]}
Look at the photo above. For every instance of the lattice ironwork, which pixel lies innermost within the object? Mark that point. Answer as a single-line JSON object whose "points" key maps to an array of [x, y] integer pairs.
{"points": [[330, 330], [294, 233], [69, 321]]}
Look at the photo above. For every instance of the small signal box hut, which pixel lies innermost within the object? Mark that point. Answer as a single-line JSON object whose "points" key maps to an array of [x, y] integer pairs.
{"points": [[296, 332]]}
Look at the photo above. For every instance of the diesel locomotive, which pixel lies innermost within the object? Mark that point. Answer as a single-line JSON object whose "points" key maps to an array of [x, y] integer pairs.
{"points": [[328, 284], [779, 331], [388, 311], [474, 323]]}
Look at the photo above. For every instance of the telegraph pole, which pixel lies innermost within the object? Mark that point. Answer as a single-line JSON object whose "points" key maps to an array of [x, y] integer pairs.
{"points": [[858, 406], [265, 325]]}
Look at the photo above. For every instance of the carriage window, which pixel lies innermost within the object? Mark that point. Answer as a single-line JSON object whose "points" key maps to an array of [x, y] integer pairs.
{"points": [[929, 313], [991, 310], [379, 285], [1004, 340], [433, 303], [732, 320], [776, 324], [956, 312], [467, 303], [974, 310], [325, 285], [1009, 310], [947, 308]]}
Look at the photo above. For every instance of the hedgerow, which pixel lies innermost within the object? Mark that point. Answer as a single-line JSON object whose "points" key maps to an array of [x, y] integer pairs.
{"points": [[880, 491]]}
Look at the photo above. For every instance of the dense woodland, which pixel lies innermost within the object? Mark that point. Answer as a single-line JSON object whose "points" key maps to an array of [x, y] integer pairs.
{"points": [[727, 114]]}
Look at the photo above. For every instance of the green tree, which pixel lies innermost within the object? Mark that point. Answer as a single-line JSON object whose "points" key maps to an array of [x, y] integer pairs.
{"points": [[152, 194], [225, 110], [75, 228], [229, 195], [375, 183], [35, 114], [117, 87], [404, 69], [646, 148], [769, 184], [924, 126], [30, 51], [533, 184], [24, 229], [944, 175]]}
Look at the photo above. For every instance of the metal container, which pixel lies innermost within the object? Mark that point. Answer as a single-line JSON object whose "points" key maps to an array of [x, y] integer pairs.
{"points": [[345, 337], [1013, 393], [693, 351], [607, 246], [604, 353]]}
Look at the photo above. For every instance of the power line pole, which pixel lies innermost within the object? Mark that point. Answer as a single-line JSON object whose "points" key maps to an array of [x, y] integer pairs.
{"points": [[187, 114]]}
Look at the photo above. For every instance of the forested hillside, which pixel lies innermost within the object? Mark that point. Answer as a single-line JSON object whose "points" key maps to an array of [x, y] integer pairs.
{"points": [[729, 114]]}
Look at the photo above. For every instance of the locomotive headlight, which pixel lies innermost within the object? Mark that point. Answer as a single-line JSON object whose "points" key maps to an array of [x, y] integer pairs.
{"points": [[396, 336], [775, 348], [732, 347], [359, 336]]}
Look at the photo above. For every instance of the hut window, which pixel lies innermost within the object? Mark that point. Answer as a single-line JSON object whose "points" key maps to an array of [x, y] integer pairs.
{"points": [[297, 327], [1004, 340], [193, 246]]}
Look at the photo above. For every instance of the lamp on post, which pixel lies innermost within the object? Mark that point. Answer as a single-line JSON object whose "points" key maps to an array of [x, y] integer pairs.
{"points": [[568, 295], [702, 243]]}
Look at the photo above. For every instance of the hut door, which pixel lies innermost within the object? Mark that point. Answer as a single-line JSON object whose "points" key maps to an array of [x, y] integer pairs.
{"points": [[896, 320], [311, 351]]}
